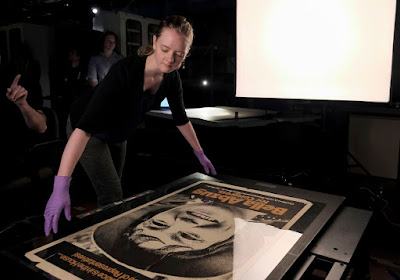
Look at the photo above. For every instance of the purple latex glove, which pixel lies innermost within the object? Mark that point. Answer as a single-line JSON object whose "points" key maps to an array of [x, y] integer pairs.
{"points": [[208, 166], [58, 201]]}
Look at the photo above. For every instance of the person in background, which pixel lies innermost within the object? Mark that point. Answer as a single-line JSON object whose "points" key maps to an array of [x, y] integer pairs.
{"points": [[100, 129], [71, 82], [100, 64], [23, 122]]}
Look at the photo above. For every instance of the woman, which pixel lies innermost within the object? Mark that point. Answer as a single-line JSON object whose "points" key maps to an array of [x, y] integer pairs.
{"points": [[187, 228], [99, 65], [197, 235], [132, 86]]}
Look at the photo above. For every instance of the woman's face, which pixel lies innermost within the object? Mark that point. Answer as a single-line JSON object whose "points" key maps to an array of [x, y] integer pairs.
{"points": [[109, 43], [185, 228], [170, 50]]}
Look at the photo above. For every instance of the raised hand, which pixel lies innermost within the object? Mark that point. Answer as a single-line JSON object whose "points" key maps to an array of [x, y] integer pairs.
{"points": [[17, 93]]}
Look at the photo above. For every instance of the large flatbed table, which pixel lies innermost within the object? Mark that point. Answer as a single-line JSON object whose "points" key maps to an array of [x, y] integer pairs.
{"points": [[328, 230]]}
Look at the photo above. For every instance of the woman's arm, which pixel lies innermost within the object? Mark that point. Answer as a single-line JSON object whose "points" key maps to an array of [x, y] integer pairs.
{"points": [[93, 82], [60, 199], [188, 132], [190, 136], [73, 151]]}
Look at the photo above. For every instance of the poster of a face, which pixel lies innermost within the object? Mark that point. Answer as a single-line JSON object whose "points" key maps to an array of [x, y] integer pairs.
{"points": [[207, 230]]}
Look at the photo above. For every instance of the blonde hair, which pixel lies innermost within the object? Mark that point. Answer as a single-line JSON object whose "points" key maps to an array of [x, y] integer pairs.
{"points": [[178, 23]]}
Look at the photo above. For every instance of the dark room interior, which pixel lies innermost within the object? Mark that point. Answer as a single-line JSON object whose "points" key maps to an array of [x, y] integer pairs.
{"points": [[344, 148]]}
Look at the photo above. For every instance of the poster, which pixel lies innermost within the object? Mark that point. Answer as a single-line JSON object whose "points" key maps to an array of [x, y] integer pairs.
{"points": [[207, 230]]}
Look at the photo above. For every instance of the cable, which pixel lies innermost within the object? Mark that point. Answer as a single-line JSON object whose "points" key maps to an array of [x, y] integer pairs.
{"points": [[376, 197], [129, 4], [386, 203]]}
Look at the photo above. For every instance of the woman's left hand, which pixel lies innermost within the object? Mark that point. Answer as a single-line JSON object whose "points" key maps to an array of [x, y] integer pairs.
{"points": [[205, 162]]}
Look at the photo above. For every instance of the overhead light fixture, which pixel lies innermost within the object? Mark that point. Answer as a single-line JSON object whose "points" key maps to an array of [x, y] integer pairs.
{"points": [[95, 10]]}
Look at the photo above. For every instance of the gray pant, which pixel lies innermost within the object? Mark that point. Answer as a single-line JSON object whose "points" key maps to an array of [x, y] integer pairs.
{"points": [[103, 163]]}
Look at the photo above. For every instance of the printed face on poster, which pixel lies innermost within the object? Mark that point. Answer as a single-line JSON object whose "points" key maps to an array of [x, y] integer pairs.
{"points": [[206, 230]]}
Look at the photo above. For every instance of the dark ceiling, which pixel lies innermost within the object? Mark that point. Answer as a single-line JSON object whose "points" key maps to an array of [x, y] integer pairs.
{"points": [[52, 11], [38, 10]]}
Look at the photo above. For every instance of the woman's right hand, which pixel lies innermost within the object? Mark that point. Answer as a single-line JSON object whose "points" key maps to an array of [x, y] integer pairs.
{"points": [[58, 201]]}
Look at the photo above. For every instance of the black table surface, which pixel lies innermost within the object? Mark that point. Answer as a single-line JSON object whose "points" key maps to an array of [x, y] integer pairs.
{"points": [[27, 235]]}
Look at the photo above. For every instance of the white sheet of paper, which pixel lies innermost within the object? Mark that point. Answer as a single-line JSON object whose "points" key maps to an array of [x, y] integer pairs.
{"points": [[269, 244]]}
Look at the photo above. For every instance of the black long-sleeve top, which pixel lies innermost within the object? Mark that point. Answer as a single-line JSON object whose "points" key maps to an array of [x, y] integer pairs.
{"points": [[117, 105]]}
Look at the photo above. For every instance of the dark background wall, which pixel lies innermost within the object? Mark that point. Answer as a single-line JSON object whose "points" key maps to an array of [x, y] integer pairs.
{"points": [[213, 57]]}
